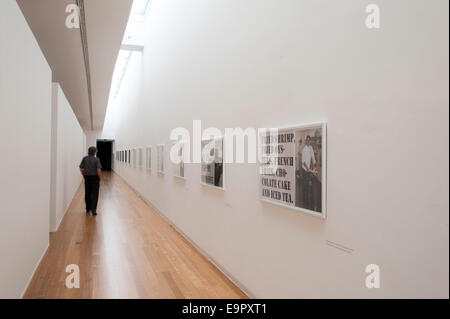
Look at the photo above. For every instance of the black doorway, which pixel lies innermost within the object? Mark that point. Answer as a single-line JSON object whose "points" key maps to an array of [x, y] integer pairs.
{"points": [[104, 153]]}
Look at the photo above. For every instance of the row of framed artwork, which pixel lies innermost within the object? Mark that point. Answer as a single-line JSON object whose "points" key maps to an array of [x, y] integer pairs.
{"points": [[212, 171], [292, 168], [135, 158]]}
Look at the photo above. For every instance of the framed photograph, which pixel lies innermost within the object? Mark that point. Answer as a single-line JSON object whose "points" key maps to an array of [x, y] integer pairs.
{"points": [[212, 163], [178, 168], [160, 158], [293, 168], [140, 157], [148, 157], [134, 157]]}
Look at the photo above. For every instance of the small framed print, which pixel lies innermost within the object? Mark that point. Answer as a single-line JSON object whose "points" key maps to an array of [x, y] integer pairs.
{"points": [[293, 168], [178, 168], [133, 157], [212, 162], [148, 157], [160, 158], [140, 157]]}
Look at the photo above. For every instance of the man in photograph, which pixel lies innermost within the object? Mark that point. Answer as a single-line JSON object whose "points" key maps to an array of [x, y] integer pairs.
{"points": [[308, 163], [308, 158], [218, 164]]}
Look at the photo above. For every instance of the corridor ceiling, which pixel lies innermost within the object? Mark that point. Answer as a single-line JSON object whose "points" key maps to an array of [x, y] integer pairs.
{"points": [[65, 49]]}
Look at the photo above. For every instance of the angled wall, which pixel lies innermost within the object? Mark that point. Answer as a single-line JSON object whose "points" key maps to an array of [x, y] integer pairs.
{"points": [[25, 122], [68, 148]]}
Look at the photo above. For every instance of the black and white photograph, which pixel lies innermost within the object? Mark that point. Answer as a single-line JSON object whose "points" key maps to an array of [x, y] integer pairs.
{"points": [[134, 157], [293, 168], [212, 162], [178, 168], [140, 159], [308, 169], [160, 149], [148, 157]]}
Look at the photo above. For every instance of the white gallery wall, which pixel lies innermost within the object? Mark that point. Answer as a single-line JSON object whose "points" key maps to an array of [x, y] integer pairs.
{"points": [[25, 122], [259, 63], [68, 148], [92, 137]]}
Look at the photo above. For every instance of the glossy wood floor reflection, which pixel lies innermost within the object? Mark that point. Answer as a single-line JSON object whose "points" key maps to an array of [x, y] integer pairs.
{"points": [[126, 251]]}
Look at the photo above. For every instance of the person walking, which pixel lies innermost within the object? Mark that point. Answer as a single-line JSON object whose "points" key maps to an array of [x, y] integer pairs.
{"points": [[91, 169]]}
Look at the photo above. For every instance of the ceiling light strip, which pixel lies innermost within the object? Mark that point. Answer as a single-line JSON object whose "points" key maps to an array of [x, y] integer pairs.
{"points": [[83, 33]]}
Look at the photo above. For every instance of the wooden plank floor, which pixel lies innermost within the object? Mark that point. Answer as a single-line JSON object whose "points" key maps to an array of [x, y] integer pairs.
{"points": [[126, 251]]}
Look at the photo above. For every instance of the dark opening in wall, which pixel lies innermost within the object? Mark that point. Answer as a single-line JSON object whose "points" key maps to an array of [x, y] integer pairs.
{"points": [[105, 154]]}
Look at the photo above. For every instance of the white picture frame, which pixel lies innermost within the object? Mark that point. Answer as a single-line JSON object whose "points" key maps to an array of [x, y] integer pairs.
{"points": [[299, 187], [134, 157], [178, 169], [160, 150], [148, 158], [140, 157], [212, 174]]}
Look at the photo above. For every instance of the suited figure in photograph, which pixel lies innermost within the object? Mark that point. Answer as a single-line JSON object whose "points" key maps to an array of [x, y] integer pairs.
{"points": [[308, 193], [308, 164]]}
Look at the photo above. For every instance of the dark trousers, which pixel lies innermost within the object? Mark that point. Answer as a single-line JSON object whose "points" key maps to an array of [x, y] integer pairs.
{"points": [[218, 170], [91, 188], [308, 193], [308, 196]]}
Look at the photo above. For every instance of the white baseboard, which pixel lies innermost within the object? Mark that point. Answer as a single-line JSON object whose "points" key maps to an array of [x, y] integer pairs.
{"points": [[200, 250], [206, 255], [66, 210], [34, 270], [57, 224]]}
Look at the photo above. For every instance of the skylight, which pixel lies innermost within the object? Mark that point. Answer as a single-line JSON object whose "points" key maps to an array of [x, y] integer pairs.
{"points": [[133, 38], [139, 8], [119, 72]]}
